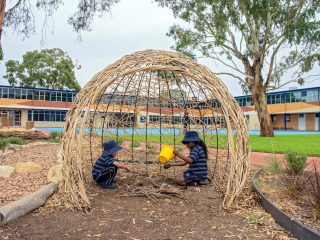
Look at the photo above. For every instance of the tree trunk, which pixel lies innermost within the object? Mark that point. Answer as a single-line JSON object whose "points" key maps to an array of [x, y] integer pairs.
{"points": [[259, 101], [2, 13]]}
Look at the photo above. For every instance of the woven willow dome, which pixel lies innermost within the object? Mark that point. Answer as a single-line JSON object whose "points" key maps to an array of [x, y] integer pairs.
{"points": [[148, 99]]}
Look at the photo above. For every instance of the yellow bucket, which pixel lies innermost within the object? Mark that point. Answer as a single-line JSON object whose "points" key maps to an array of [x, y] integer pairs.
{"points": [[166, 154]]}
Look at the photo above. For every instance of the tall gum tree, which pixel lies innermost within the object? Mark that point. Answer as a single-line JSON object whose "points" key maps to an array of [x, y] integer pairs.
{"points": [[260, 41]]}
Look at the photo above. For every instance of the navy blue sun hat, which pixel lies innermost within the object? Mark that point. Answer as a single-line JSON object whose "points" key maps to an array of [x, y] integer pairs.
{"points": [[110, 147], [191, 136]]}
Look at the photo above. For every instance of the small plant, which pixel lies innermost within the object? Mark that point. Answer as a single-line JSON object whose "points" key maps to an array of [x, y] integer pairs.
{"points": [[120, 140], [54, 134], [313, 190], [12, 140], [135, 144], [297, 162], [3, 143], [274, 166], [149, 146], [15, 140], [253, 218]]}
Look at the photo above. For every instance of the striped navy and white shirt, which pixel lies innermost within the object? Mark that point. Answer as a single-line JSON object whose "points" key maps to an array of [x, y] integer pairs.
{"points": [[103, 162], [198, 167]]}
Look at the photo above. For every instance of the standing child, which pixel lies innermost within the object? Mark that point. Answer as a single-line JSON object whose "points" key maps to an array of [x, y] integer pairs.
{"points": [[106, 166], [197, 173]]}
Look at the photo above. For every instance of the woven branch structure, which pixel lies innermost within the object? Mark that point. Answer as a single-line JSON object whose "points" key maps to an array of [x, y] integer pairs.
{"points": [[148, 99]]}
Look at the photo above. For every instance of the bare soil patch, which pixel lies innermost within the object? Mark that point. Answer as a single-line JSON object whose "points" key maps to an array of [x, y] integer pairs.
{"points": [[195, 213]]}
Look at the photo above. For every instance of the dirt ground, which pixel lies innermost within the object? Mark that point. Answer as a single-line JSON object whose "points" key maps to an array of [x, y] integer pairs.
{"points": [[195, 214]]}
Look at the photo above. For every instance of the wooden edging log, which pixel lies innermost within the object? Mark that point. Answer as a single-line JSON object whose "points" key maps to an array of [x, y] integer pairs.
{"points": [[296, 228], [26, 204]]}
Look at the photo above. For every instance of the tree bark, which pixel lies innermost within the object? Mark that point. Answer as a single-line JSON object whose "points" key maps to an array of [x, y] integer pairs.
{"points": [[259, 101], [2, 14]]}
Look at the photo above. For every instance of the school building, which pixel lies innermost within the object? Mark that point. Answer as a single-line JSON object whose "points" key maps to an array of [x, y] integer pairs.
{"points": [[297, 109]]}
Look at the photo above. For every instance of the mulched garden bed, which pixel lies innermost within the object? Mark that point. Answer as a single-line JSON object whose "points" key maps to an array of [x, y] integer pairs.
{"points": [[293, 202]]}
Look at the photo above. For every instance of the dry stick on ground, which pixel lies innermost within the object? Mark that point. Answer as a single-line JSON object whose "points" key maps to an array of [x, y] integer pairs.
{"points": [[151, 76], [154, 192]]}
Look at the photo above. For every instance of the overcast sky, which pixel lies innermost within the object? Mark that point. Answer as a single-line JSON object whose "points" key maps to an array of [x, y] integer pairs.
{"points": [[132, 26]]}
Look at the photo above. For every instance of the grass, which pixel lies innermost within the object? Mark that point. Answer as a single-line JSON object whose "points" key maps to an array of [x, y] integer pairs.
{"points": [[53, 140], [304, 144], [274, 166]]}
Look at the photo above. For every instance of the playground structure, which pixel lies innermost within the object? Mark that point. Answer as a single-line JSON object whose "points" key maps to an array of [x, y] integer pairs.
{"points": [[153, 97]]}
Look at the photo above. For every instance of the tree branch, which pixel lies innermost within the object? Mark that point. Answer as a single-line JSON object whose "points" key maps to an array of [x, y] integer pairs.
{"points": [[272, 62], [232, 75]]}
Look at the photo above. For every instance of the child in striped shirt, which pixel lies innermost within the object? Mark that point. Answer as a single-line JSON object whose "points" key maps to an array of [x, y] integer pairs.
{"points": [[197, 173], [106, 166]]}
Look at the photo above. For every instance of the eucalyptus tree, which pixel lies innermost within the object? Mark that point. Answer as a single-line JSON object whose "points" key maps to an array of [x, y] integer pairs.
{"points": [[49, 68], [266, 44]]}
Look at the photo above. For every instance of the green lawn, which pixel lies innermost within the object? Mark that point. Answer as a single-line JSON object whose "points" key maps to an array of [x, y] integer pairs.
{"points": [[307, 144]]}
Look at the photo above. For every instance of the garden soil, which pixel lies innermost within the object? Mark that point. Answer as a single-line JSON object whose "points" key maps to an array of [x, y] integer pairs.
{"points": [[195, 213]]}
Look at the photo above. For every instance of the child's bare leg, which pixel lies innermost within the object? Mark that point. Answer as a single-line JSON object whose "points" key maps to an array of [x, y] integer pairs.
{"points": [[180, 180]]}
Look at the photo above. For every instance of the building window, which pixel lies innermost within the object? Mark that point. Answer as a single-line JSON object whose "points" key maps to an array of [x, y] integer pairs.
{"points": [[274, 118], [46, 115], [154, 118], [288, 118], [301, 115], [17, 93]]}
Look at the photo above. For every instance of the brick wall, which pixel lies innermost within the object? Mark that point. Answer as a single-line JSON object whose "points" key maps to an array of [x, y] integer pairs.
{"points": [[310, 121], [292, 125], [279, 124], [294, 122]]}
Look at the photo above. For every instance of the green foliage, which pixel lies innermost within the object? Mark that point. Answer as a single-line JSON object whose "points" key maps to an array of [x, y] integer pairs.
{"points": [[54, 135], [274, 166], [313, 191], [297, 162], [12, 140], [260, 42], [253, 218], [49, 68], [3, 143], [21, 18], [56, 140], [149, 146], [15, 140], [262, 28], [135, 144], [120, 140]]}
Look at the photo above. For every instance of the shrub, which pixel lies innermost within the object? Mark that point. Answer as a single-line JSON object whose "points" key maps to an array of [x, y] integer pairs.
{"points": [[274, 166], [313, 190], [149, 146], [54, 134], [15, 140], [135, 144], [297, 162], [12, 140], [3, 143]]}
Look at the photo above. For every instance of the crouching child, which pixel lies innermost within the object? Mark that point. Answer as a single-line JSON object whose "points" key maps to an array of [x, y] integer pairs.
{"points": [[106, 166]]}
